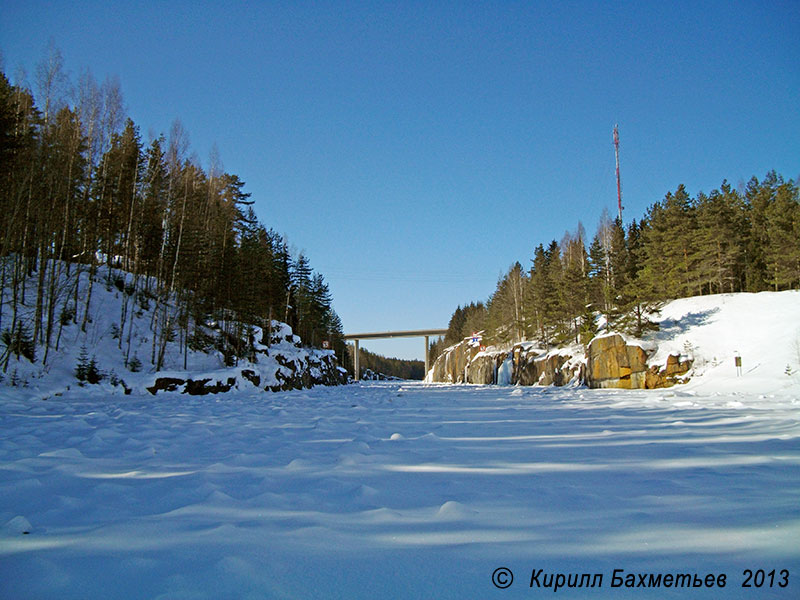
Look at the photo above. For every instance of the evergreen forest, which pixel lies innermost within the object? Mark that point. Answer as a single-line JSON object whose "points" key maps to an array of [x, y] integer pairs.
{"points": [[80, 188], [393, 367], [729, 240]]}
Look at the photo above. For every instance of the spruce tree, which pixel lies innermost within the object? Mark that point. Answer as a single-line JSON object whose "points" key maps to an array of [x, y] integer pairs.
{"points": [[783, 233], [721, 240]]}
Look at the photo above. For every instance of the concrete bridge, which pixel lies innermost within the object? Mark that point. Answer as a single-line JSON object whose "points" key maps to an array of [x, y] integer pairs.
{"points": [[426, 333]]}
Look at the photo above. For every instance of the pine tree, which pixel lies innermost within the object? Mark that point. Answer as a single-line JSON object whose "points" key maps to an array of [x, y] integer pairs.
{"points": [[300, 292], [506, 315], [575, 280], [669, 246], [475, 316], [757, 198], [82, 368], [544, 298], [153, 209], [783, 233], [639, 297], [721, 239]]}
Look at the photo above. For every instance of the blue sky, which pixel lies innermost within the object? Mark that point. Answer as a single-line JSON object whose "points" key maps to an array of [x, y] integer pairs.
{"points": [[415, 150]]}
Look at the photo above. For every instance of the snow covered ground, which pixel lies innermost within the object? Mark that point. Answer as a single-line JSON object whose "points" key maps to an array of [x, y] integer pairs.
{"points": [[397, 490], [763, 329]]}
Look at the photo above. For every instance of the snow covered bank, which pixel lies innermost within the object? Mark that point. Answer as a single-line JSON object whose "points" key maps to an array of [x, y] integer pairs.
{"points": [[704, 334], [762, 329], [395, 490], [119, 344]]}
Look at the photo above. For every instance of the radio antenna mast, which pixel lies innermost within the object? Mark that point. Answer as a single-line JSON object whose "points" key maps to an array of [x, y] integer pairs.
{"points": [[619, 186]]}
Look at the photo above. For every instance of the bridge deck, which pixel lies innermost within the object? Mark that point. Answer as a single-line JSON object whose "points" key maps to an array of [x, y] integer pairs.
{"points": [[395, 334]]}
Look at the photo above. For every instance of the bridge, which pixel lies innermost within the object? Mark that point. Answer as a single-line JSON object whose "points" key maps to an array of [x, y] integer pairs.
{"points": [[426, 333]]}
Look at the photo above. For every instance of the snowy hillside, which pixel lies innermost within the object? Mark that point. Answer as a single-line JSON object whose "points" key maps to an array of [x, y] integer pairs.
{"points": [[763, 329], [121, 347]]}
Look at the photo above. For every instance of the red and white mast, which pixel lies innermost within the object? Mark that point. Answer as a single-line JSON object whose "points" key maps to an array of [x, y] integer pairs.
{"points": [[619, 186]]}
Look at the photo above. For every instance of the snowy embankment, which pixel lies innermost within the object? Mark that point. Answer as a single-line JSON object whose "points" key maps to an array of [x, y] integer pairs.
{"points": [[763, 329], [123, 337], [396, 490]]}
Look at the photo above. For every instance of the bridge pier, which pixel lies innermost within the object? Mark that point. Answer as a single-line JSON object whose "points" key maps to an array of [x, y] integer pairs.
{"points": [[427, 356], [356, 366]]}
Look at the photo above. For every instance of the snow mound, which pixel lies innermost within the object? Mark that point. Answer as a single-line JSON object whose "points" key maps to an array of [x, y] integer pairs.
{"points": [[19, 525], [452, 510]]}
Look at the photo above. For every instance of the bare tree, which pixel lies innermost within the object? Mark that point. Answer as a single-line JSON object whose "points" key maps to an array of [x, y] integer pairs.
{"points": [[51, 81]]}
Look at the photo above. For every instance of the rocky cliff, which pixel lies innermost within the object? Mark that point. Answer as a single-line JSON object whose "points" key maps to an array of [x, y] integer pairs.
{"points": [[523, 364], [608, 361], [282, 364]]}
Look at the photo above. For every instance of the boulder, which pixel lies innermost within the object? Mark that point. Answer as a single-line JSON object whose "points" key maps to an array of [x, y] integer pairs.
{"points": [[611, 362], [166, 384], [252, 377], [676, 367], [201, 387], [670, 374], [193, 387]]}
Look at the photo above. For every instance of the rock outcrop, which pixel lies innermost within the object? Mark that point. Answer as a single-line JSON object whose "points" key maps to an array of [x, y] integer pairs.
{"points": [[483, 367], [370, 375], [466, 363], [451, 365], [280, 366], [670, 374], [193, 387], [611, 362], [557, 368], [608, 362]]}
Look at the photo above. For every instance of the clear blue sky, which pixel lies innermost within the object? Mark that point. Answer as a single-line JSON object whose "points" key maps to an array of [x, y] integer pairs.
{"points": [[415, 150]]}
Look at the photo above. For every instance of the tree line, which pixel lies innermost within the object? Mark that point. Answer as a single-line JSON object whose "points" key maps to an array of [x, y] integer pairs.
{"points": [[394, 367], [80, 189], [745, 240]]}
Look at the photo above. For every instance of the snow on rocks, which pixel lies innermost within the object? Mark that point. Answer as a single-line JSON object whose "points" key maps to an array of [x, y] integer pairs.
{"points": [[121, 354], [698, 340]]}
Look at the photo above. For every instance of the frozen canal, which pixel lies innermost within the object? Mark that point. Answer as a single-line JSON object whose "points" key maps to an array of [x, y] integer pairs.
{"points": [[398, 490]]}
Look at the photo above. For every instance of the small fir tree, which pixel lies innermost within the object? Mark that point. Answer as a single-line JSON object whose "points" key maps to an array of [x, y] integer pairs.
{"points": [[83, 365], [134, 364]]}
